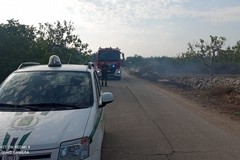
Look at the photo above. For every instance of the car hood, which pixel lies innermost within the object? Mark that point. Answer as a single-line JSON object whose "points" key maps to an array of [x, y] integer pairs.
{"points": [[42, 130]]}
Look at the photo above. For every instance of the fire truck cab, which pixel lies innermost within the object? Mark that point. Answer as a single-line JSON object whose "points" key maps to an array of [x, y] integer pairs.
{"points": [[112, 57]]}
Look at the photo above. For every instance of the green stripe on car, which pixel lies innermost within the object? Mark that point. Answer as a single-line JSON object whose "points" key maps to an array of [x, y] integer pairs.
{"points": [[95, 127], [6, 139], [24, 139]]}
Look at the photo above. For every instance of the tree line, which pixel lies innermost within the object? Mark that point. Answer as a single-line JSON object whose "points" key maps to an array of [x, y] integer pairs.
{"points": [[201, 57], [23, 43]]}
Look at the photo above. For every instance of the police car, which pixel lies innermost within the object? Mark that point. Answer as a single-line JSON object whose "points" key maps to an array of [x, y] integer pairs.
{"points": [[52, 112]]}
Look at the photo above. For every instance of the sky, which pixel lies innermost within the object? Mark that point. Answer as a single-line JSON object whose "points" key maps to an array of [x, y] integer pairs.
{"points": [[143, 27]]}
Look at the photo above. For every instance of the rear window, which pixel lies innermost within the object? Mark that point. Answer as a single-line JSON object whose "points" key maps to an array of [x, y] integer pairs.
{"points": [[23, 88]]}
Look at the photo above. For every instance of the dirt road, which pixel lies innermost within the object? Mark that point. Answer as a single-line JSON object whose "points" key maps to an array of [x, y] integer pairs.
{"points": [[146, 122]]}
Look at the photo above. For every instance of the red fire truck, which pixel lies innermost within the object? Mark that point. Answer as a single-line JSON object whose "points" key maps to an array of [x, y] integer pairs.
{"points": [[113, 58]]}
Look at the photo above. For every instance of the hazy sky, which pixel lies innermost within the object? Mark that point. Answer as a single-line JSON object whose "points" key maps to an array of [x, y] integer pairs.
{"points": [[143, 27]]}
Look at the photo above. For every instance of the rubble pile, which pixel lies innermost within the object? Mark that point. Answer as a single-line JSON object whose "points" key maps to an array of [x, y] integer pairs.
{"points": [[197, 81], [208, 82]]}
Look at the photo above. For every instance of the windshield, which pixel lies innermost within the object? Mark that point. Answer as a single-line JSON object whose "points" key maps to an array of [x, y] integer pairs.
{"points": [[33, 88], [109, 56]]}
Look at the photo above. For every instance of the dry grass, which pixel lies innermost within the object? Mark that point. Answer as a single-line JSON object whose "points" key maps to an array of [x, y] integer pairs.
{"points": [[222, 98], [218, 92]]}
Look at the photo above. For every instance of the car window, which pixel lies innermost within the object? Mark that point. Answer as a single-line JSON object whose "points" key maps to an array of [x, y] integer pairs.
{"points": [[48, 87]]}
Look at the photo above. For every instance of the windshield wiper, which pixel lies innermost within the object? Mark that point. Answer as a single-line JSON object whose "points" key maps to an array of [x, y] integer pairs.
{"points": [[6, 106], [40, 106], [54, 106]]}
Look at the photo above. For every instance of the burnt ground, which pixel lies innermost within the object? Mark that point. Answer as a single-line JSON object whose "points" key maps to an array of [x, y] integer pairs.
{"points": [[224, 101]]}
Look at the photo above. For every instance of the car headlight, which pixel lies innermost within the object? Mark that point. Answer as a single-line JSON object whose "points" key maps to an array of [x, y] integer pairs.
{"points": [[118, 72], [74, 150]]}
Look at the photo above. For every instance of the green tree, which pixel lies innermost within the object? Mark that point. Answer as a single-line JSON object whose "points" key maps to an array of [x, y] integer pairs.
{"points": [[16, 44], [135, 62], [20, 43], [207, 52], [60, 40], [236, 52]]}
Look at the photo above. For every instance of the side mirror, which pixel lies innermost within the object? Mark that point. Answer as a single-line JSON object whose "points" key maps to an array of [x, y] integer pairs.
{"points": [[107, 97]]}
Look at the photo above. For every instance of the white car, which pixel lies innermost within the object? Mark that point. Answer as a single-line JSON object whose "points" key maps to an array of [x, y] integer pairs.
{"points": [[52, 112]]}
